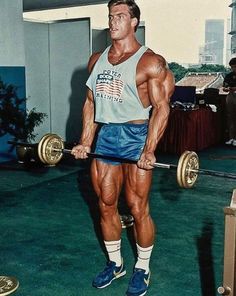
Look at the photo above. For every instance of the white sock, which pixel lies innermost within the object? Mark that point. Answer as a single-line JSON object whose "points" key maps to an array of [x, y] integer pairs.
{"points": [[144, 255], [113, 250]]}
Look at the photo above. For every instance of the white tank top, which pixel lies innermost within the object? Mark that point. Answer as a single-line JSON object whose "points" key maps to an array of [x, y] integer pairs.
{"points": [[114, 89]]}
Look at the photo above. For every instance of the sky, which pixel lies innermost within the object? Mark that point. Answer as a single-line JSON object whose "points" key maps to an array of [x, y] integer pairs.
{"points": [[174, 28]]}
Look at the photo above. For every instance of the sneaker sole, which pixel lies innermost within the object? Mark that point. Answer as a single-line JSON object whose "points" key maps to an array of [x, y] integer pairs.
{"points": [[147, 283], [136, 294], [115, 278]]}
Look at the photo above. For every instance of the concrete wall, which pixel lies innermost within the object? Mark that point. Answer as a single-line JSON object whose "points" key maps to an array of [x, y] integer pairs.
{"points": [[56, 71], [11, 33], [12, 57], [37, 71]]}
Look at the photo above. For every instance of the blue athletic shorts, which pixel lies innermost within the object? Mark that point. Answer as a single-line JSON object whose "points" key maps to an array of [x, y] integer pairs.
{"points": [[123, 140]]}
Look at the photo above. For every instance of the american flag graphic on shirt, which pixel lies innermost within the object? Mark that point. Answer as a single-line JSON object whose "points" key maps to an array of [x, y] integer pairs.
{"points": [[109, 86]]}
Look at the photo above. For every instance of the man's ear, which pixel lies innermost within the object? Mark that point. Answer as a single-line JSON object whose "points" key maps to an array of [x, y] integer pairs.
{"points": [[134, 21]]}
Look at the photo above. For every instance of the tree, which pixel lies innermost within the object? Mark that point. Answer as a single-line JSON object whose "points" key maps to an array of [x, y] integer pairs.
{"points": [[209, 69], [178, 71]]}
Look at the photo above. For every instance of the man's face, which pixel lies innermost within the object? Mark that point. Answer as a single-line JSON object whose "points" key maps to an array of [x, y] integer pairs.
{"points": [[120, 22], [233, 68]]}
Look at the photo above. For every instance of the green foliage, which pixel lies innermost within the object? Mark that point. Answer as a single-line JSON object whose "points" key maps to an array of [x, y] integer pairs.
{"points": [[180, 71], [209, 69], [14, 119]]}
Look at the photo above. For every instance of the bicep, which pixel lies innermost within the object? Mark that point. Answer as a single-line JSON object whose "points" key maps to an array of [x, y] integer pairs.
{"points": [[161, 87]]}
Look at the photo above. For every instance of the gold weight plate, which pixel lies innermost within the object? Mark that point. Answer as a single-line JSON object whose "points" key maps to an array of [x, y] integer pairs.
{"points": [[189, 167], [126, 221], [40, 144], [180, 168], [184, 172], [8, 285], [49, 155]]}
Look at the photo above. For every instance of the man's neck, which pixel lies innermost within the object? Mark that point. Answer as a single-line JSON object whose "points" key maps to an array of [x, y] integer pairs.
{"points": [[125, 45]]}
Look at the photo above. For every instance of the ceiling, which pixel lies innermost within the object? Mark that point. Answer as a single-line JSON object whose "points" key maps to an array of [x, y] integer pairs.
{"points": [[31, 5]]}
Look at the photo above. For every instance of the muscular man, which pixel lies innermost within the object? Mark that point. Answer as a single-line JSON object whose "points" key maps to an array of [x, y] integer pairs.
{"points": [[128, 98]]}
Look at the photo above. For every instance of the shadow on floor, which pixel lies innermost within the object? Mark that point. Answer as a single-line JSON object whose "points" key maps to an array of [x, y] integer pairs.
{"points": [[205, 259]]}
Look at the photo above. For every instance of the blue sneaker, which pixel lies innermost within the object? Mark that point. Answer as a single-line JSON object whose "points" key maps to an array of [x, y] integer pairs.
{"points": [[138, 283], [109, 274]]}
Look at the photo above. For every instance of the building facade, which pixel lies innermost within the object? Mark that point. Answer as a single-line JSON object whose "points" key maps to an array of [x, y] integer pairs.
{"points": [[233, 28], [212, 51]]}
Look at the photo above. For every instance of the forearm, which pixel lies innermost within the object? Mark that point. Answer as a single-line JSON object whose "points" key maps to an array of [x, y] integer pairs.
{"points": [[157, 126], [89, 126]]}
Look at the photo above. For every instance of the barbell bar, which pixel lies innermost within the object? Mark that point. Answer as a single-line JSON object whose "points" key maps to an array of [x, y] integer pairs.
{"points": [[157, 164], [114, 158], [51, 149]]}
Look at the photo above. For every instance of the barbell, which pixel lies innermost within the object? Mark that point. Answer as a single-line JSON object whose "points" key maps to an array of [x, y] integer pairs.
{"points": [[51, 149]]}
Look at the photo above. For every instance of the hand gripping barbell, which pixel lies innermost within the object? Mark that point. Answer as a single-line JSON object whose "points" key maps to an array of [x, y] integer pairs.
{"points": [[51, 149]]}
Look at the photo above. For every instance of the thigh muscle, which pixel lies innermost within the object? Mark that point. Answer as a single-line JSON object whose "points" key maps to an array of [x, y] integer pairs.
{"points": [[107, 181], [137, 185]]}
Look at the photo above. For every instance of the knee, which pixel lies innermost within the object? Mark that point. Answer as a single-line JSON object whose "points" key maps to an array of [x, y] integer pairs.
{"points": [[107, 208], [139, 211]]}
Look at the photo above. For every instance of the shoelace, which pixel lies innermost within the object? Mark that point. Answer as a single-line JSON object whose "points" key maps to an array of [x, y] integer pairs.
{"points": [[108, 267], [137, 276]]}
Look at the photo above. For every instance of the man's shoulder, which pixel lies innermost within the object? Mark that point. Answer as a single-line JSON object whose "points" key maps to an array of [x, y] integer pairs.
{"points": [[93, 59], [155, 66], [151, 57], [153, 63]]}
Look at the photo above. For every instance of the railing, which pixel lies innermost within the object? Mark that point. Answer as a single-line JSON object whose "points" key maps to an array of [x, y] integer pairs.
{"points": [[229, 273]]}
